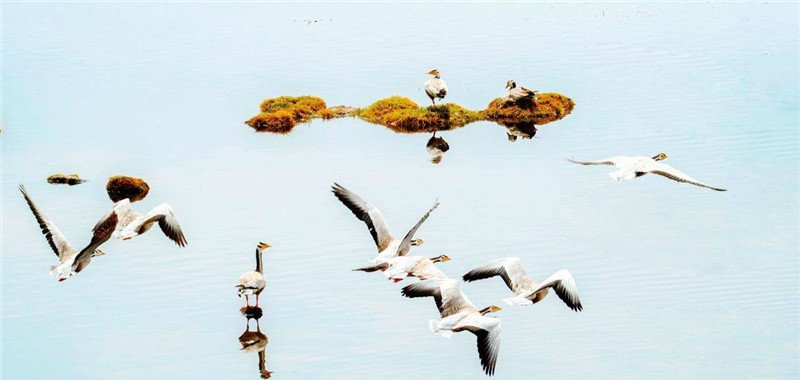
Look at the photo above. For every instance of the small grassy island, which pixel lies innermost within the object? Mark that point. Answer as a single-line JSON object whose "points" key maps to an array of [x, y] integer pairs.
{"points": [[120, 187], [403, 115]]}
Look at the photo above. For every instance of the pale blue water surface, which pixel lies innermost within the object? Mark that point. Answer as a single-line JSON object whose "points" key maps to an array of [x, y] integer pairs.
{"points": [[677, 281]]}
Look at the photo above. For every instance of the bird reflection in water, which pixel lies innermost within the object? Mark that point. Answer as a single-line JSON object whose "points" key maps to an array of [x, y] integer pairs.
{"points": [[514, 130], [436, 148], [255, 341]]}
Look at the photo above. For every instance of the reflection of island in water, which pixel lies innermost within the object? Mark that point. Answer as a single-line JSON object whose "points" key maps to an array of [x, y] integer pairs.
{"points": [[402, 115], [255, 341], [436, 148]]}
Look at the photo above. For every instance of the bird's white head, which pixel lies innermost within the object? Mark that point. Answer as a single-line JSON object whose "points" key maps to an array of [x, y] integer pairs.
{"points": [[434, 72], [416, 242], [262, 246], [440, 259], [98, 252], [511, 84]]}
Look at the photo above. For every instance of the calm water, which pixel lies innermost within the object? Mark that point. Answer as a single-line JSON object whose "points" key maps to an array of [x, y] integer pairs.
{"points": [[676, 281]]}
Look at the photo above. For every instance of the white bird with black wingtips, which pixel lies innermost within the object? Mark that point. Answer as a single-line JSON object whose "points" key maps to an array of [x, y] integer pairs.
{"points": [[527, 291], [637, 166], [388, 246], [459, 314], [58, 243], [435, 87], [253, 282], [128, 223]]}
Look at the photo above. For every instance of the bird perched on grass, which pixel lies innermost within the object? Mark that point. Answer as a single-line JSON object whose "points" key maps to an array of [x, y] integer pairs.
{"points": [[519, 94], [435, 87]]}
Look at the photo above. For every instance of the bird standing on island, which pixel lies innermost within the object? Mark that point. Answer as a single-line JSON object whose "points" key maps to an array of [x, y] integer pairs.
{"points": [[435, 87], [634, 167], [519, 94], [388, 246], [527, 291], [253, 282], [58, 243]]}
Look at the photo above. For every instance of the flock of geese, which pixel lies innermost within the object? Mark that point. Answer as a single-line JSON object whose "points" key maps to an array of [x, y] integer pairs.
{"points": [[457, 313]]}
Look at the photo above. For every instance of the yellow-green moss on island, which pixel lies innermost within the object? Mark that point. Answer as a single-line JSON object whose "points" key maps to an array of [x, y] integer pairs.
{"points": [[403, 115], [281, 114], [120, 187], [68, 179]]}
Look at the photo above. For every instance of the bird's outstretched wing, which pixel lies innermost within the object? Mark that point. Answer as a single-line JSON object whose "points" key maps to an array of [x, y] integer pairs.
{"points": [[677, 175], [564, 286], [445, 291], [487, 330], [367, 213], [58, 243], [509, 268], [165, 216], [405, 245], [607, 161]]}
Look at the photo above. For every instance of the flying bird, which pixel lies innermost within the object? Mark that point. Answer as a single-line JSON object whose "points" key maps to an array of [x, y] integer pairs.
{"points": [[253, 282], [58, 243], [634, 167], [459, 314], [128, 223], [398, 268], [388, 246], [435, 87], [527, 291]]}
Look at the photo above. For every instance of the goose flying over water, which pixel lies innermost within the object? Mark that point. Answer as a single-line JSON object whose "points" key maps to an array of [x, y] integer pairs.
{"points": [[634, 167], [518, 94], [127, 223], [398, 268], [388, 246], [58, 243], [528, 292], [459, 314], [435, 87], [253, 282]]}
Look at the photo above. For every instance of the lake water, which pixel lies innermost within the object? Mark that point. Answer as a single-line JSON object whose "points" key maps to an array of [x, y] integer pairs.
{"points": [[676, 281]]}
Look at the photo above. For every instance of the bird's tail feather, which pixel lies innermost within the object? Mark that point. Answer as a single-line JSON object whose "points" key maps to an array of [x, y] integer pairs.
{"points": [[436, 327]]}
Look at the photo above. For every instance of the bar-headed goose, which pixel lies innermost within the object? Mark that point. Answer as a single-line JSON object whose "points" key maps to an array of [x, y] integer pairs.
{"points": [[253, 282], [398, 268], [528, 292], [519, 94], [435, 87], [58, 243], [637, 166], [388, 246], [459, 314]]}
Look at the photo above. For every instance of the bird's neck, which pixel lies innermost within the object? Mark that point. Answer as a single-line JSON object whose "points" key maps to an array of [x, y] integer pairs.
{"points": [[259, 263]]}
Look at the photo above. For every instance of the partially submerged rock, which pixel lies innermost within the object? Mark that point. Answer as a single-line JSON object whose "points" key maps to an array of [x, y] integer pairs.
{"points": [[121, 187], [68, 179]]}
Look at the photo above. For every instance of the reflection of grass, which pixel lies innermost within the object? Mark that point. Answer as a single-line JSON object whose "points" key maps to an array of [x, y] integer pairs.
{"points": [[69, 179], [120, 187], [401, 114]]}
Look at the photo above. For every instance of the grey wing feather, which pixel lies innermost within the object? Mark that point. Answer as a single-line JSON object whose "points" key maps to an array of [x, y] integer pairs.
{"points": [[165, 216], [58, 243], [367, 213], [509, 268], [405, 245], [563, 284], [677, 175]]}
